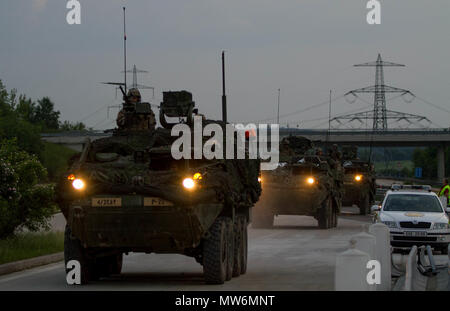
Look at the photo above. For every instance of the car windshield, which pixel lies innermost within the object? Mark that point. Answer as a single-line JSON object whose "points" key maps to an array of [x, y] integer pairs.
{"points": [[412, 203]]}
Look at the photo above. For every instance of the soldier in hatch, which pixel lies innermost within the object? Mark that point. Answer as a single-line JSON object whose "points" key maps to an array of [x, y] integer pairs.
{"points": [[136, 121]]}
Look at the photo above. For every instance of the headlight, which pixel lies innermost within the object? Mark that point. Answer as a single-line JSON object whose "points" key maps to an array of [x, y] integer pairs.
{"points": [[358, 177], [78, 184], [311, 180], [188, 183], [259, 179], [390, 224], [440, 225]]}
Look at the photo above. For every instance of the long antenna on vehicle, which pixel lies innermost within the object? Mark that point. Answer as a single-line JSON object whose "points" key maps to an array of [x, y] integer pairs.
{"points": [[278, 111], [125, 49], [224, 95]]}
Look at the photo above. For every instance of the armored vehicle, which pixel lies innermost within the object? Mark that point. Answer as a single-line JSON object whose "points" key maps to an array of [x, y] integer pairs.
{"points": [[304, 183], [359, 180], [126, 193]]}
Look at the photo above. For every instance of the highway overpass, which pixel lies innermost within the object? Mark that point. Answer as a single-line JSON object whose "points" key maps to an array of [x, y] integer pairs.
{"points": [[439, 138]]}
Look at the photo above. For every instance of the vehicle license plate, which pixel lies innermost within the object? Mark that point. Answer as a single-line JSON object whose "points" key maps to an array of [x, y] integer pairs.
{"points": [[106, 202], [153, 201], [415, 233]]}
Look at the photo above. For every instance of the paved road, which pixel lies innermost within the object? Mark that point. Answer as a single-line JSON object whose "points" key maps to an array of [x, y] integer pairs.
{"points": [[295, 255]]}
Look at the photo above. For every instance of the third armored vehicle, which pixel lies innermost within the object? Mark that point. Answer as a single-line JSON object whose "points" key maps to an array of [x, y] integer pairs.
{"points": [[305, 183], [359, 180], [127, 193]]}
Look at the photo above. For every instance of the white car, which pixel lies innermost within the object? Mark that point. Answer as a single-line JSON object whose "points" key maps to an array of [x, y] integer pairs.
{"points": [[415, 216]]}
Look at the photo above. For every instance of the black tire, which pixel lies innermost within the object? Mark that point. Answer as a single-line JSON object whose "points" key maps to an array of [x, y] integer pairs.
{"points": [[335, 217], [230, 249], [325, 217], [364, 205], [117, 263], [262, 218], [215, 257], [244, 252], [73, 250], [444, 250], [106, 266], [238, 246]]}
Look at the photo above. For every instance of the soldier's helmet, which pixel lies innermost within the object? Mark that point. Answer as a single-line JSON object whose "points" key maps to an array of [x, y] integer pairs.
{"points": [[134, 95]]}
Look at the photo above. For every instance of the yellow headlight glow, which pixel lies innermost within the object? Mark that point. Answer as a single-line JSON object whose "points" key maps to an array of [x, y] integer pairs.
{"points": [[78, 184], [188, 183], [259, 179], [197, 176], [310, 180], [358, 177]]}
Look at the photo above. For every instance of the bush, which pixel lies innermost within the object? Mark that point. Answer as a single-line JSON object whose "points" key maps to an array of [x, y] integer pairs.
{"points": [[24, 202]]}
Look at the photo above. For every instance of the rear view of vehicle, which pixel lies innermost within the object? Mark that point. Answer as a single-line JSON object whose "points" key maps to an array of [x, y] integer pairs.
{"points": [[359, 181], [415, 216], [303, 184]]}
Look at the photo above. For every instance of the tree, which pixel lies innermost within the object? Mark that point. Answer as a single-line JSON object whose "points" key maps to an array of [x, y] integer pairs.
{"points": [[46, 115], [24, 201], [69, 126]]}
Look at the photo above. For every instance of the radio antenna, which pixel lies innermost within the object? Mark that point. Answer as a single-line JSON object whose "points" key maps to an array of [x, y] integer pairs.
{"points": [[125, 49], [224, 94]]}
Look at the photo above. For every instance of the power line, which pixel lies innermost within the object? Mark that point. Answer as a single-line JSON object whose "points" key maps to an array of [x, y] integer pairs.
{"points": [[299, 111]]}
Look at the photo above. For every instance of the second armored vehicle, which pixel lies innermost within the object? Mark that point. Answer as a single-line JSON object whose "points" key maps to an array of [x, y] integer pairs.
{"points": [[305, 183], [359, 180]]}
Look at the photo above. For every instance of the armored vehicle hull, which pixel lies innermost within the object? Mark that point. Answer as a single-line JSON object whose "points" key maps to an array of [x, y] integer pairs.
{"points": [[359, 181], [303, 185], [127, 193]]}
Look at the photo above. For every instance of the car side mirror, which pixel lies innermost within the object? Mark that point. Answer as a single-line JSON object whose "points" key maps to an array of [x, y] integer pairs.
{"points": [[375, 208], [447, 210]]}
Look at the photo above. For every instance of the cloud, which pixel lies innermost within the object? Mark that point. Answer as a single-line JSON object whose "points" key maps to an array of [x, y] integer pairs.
{"points": [[39, 4]]}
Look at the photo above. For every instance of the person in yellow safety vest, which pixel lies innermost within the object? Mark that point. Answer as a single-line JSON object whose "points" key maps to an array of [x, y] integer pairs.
{"points": [[445, 190]]}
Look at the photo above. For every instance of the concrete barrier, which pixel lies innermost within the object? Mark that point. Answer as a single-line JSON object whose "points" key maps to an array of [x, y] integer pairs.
{"points": [[366, 243], [382, 253], [351, 271]]}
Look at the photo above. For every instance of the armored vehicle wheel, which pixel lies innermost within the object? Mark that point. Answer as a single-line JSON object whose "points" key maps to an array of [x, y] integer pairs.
{"points": [[215, 249], [238, 241], [262, 218], [364, 205], [244, 245], [335, 217], [105, 266], [231, 248], [325, 215], [73, 250]]}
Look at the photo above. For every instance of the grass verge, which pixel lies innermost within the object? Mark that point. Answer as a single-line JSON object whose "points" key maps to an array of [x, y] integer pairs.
{"points": [[29, 245]]}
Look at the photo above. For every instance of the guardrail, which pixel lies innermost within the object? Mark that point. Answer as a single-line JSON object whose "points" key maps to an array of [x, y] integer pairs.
{"points": [[411, 269]]}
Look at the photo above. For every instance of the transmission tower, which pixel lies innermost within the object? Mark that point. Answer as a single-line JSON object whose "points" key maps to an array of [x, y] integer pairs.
{"points": [[380, 115], [135, 83]]}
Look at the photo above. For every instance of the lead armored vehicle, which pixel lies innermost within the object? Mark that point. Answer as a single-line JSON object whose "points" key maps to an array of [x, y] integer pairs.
{"points": [[304, 183], [359, 180], [126, 193]]}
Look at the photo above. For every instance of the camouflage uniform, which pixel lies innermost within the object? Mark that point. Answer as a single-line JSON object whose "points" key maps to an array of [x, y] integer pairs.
{"points": [[137, 122]]}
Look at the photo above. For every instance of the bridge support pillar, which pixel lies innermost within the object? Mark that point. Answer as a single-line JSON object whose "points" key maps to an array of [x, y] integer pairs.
{"points": [[441, 163]]}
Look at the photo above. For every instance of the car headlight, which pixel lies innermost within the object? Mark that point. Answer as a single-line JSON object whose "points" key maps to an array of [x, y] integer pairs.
{"points": [[188, 183], [440, 225], [78, 184], [390, 224], [358, 177], [310, 180]]}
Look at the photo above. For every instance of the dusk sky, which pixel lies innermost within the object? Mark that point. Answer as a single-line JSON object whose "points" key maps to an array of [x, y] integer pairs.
{"points": [[303, 47]]}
